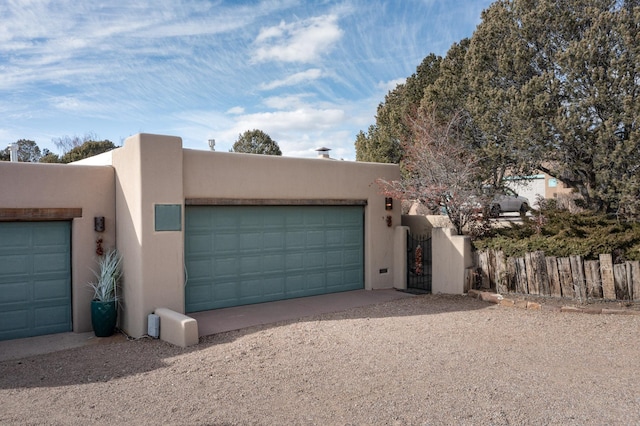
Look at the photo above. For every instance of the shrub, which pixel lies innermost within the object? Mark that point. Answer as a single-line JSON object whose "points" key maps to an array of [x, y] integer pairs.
{"points": [[559, 232]]}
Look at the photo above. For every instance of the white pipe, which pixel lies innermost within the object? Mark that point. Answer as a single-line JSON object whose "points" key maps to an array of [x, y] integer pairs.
{"points": [[13, 149]]}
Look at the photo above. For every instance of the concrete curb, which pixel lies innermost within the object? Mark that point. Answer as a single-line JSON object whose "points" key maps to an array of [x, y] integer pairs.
{"points": [[499, 299]]}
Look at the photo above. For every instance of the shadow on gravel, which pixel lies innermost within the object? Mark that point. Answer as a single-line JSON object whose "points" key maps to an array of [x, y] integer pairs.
{"points": [[112, 361]]}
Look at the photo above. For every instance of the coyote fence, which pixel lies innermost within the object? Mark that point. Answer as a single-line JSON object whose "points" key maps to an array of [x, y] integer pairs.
{"points": [[568, 277]]}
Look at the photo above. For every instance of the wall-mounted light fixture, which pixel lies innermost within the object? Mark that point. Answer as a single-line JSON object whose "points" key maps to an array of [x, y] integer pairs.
{"points": [[388, 203], [98, 223]]}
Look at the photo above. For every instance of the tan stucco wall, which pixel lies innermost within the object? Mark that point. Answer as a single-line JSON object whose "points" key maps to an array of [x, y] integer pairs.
{"points": [[29, 185]]}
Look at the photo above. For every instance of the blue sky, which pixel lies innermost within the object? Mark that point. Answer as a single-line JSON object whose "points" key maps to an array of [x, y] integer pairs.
{"points": [[308, 73]]}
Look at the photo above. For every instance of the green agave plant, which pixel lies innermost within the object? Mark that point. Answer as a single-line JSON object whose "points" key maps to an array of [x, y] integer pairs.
{"points": [[105, 288]]}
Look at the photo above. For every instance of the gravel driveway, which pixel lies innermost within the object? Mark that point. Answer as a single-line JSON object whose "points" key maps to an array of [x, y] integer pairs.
{"points": [[421, 360]]}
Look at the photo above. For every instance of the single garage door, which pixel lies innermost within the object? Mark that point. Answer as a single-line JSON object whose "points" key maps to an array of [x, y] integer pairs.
{"points": [[35, 278], [239, 255]]}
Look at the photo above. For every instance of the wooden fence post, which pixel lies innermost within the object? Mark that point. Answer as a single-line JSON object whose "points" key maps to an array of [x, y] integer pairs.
{"points": [[620, 280], [500, 272], [577, 270], [483, 264], [606, 274], [512, 275], [532, 276], [522, 286], [634, 267], [554, 276], [566, 279], [593, 280]]}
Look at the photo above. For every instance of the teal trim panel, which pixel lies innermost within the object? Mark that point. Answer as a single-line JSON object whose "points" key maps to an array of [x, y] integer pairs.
{"points": [[240, 255], [35, 278], [168, 217]]}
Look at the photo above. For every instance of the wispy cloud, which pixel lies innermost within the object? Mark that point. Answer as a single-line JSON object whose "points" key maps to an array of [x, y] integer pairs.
{"points": [[300, 41], [307, 73], [294, 79]]}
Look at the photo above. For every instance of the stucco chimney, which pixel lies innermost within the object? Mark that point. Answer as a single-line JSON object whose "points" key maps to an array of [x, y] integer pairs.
{"points": [[323, 152]]}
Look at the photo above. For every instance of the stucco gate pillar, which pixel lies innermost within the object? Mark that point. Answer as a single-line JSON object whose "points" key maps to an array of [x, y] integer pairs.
{"points": [[149, 227]]}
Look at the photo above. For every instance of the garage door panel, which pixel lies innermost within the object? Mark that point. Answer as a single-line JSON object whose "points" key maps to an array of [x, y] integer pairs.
{"points": [[14, 265], [14, 324], [226, 267], [50, 318], [272, 220], [333, 259], [12, 242], [274, 263], [352, 277], [250, 264], [50, 263], [14, 292], [199, 291], [199, 244], [279, 252], [273, 241], [351, 257], [313, 260], [51, 290], [35, 278], [225, 290], [250, 288], [225, 243], [294, 218], [295, 240], [294, 261], [293, 287], [315, 239], [199, 269], [251, 241], [316, 281]]}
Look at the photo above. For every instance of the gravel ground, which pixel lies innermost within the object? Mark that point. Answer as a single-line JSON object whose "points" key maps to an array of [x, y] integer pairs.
{"points": [[422, 360]]}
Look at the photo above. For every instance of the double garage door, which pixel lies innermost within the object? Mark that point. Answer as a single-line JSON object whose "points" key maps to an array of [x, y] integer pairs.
{"points": [[35, 278], [239, 255]]}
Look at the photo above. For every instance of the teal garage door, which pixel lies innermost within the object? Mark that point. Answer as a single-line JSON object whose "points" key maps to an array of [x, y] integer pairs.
{"points": [[35, 278], [239, 255]]}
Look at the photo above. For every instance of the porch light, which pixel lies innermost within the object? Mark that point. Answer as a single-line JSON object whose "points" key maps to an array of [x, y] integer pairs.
{"points": [[388, 203], [98, 223]]}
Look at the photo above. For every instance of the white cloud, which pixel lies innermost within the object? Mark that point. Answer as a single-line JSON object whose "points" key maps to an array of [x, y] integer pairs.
{"points": [[299, 119], [294, 79], [303, 41], [287, 102], [236, 110]]}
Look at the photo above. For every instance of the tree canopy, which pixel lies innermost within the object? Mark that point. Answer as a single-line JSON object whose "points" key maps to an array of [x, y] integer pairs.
{"points": [[28, 152], [546, 85], [87, 149], [256, 142]]}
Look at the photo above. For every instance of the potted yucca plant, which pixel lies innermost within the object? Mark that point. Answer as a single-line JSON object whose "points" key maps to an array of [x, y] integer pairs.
{"points": [[104, 306]]}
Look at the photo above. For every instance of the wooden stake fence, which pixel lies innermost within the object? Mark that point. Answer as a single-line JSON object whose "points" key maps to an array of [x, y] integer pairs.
{"points": [[568, 277]]}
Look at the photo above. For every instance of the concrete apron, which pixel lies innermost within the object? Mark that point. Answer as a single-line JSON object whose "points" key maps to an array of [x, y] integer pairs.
{"points": [[213, 322], [228, 319]]}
